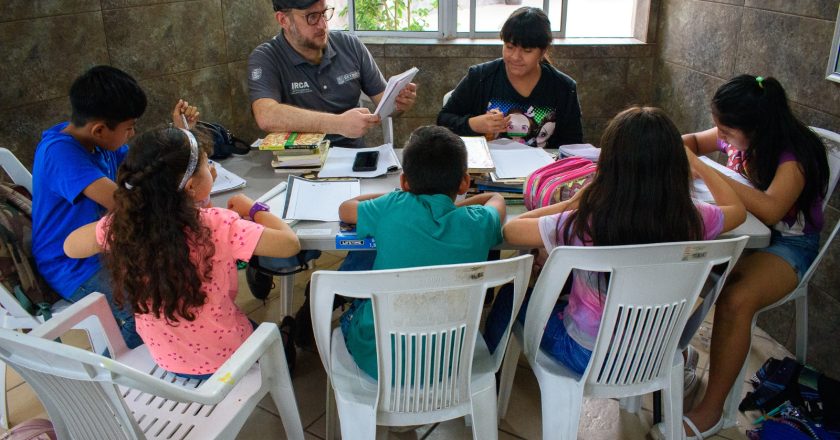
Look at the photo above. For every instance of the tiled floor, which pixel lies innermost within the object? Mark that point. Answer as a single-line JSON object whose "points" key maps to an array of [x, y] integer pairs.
{"points": [[600, 419]]}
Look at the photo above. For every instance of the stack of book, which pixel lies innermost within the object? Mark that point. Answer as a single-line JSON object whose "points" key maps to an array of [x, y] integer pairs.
{"points": [[296, 152], [510, 189]]}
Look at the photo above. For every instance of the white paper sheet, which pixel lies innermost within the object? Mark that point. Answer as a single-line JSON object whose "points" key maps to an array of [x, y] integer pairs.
{"points": [[586, 151], [275, 198], [225, 180], [317, 200], [514, 160], [339, 162], [478, 154], [701, 191], [388, 103]]}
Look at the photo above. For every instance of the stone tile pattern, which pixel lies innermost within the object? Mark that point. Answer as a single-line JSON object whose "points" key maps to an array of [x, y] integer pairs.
{"points": [[198, 50], [703, 43]]}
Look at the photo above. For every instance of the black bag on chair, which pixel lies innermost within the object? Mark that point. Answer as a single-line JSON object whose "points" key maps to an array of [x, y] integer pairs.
{"points": [[224, 142]]}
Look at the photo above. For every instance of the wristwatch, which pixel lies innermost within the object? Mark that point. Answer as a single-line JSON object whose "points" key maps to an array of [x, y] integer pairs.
{"points": [[257, 207]]}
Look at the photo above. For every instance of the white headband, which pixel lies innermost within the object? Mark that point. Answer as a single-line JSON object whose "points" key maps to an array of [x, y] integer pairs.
{"points": [[193, 158]]}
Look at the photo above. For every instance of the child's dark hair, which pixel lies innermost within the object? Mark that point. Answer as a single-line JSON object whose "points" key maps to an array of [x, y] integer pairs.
{"points": [[528, 27], [759, 108], [434, 161], [154, 226], [106, 93], [641, 191]]}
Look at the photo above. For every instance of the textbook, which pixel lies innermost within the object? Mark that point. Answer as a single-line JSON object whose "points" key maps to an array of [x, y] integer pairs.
{"points": [[479, 159], [348, 240], [291, 140], [313, 161]]}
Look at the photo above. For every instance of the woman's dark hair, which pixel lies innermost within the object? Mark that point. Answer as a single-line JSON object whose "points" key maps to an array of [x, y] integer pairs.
{"points": [[641, 191], [434, 161], [528, 27], [154, 226], [759, 108]]}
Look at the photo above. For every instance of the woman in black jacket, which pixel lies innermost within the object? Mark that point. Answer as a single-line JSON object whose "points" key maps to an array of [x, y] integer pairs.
{"points": [[520, 96]]}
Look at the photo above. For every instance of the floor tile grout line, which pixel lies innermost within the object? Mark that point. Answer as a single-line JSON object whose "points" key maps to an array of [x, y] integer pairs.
{"points": [[429, 432], [510, 433], [324, 414]]}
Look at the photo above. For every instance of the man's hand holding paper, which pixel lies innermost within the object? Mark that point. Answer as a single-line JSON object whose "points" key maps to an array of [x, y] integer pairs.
{"points": [[407, 98]]}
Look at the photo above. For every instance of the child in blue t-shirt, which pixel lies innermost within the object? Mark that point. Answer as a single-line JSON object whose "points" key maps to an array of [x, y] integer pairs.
{"points": [[73, 179], [421, 225]]}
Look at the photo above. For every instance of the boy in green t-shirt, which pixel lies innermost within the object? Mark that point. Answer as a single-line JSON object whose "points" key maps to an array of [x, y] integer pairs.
{"points": [[421, 225]]}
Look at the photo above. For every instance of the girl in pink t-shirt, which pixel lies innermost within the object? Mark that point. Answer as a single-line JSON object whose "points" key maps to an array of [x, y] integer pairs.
{"points": [[175, 263], [641, 193]]}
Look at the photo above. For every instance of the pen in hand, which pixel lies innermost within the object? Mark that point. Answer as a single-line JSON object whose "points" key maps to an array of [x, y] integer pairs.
{"points": [[186, 123]]}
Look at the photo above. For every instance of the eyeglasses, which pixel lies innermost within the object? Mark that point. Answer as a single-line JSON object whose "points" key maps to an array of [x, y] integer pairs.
{"points": [[313, 18]]}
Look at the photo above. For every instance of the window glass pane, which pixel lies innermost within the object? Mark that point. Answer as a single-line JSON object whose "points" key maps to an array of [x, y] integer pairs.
{"points": [[489, 17], [555, 10], [340, 20], [600, 18], [396, 15], [463, 16]]}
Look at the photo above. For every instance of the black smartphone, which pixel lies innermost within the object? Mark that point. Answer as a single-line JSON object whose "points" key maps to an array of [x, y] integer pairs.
{"points": [[366, 161]]}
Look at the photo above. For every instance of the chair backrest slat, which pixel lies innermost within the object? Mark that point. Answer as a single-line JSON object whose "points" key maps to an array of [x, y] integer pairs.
{"points": [[650, 291], [426, 325]]}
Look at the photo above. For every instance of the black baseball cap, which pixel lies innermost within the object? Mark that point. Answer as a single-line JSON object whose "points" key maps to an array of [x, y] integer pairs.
{"points": [[280, 5]]}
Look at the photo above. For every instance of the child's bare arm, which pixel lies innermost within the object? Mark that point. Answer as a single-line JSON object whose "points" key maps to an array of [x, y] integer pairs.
{"points": [[725, 196], [555, 208], [101, 191], [348, 211], [491, 199], [81, 243], [702, 142], [523, 232], [277, 239]]}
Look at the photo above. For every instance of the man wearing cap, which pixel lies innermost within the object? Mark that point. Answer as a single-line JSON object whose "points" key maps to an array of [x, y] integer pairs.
{"points": [[308, 79]]}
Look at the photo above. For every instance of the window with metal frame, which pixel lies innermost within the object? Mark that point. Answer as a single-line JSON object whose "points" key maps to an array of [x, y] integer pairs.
{"points": [[447, 19]]}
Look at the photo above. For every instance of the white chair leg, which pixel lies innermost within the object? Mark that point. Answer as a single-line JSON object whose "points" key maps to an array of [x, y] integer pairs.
{"points": [[561, 407], [287, 291], [332, 412], [802, 326], [673, 403], [507, 375], [358, 421], [484, 419], [631, 404], [4, 407]]}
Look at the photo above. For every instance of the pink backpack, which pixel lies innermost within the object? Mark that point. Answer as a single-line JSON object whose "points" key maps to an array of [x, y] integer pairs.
{"points": [[557, 181]]}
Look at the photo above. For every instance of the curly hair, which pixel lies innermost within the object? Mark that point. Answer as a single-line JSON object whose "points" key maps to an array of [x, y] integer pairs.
{"points": [[154, 226]]}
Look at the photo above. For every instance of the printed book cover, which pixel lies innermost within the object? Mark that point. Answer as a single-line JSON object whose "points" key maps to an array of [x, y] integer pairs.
{"points": [[347, 239], [290, 140]]}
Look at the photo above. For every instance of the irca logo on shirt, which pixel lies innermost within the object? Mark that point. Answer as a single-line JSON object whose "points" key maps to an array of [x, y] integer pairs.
{"points": [[300, 87]]}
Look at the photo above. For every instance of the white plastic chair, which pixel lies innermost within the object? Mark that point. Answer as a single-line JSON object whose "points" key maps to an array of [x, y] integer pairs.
{"points": [[88, 396], [447, 95], [12, 315], [800, 293], [652, 289], [418, 311]]}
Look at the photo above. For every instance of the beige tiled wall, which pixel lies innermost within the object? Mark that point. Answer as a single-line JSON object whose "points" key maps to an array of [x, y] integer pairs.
{"points": [[702, 44], [199, 49]]}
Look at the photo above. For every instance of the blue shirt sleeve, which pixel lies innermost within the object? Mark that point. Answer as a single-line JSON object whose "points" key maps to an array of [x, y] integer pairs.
{"points": [[71, 170]]}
